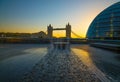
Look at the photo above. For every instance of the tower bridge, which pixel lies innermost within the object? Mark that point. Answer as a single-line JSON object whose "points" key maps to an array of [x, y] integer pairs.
{"points": [[50, 30], [68, 30], [59, 43]]}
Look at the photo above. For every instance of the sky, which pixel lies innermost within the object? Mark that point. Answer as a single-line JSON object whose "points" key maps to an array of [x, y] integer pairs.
{"points": [[30, 16]]}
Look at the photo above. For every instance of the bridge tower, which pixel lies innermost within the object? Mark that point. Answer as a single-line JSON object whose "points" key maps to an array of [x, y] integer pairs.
{"points": [[59, 44], [50, 31], [68, 31]]}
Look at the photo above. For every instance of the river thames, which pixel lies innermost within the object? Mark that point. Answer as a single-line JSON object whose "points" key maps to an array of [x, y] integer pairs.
{"points": [[33, 63]]}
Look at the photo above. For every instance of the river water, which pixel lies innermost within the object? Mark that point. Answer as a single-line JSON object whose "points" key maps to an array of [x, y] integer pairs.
{"points": [[16, 60]]}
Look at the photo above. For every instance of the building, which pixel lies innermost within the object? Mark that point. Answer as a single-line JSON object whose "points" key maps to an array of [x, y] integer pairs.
{"points": [[40, 34], [106, 26]]}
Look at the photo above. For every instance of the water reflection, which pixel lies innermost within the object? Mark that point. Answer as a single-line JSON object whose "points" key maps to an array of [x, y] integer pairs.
{"points": [[86, 59], [14, 67], [84, 56]]}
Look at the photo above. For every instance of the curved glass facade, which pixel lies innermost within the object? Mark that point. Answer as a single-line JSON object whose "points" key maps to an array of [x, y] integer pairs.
{"points": [[106, 25]]}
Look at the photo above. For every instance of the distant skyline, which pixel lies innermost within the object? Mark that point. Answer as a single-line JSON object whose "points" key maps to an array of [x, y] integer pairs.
{"points": [[31, 16]]}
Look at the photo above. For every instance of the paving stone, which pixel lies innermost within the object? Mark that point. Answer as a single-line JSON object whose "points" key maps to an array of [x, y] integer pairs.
{"points": [[60, 66]]}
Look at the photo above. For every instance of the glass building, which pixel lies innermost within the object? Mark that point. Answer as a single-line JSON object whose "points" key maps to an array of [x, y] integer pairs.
{"points": [[106, 25]]}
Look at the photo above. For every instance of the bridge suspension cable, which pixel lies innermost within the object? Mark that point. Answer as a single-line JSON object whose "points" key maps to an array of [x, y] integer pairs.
{"points": [[78, 36]]}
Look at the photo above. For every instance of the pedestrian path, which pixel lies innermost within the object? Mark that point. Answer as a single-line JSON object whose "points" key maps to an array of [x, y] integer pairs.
{"points": [[61, 66]]}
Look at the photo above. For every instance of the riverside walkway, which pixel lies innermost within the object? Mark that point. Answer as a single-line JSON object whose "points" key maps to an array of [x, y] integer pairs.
{"points": [[62, 65]]}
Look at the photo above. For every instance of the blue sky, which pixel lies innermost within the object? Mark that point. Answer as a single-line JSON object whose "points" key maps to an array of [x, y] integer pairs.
{"points": [[34, 15]]}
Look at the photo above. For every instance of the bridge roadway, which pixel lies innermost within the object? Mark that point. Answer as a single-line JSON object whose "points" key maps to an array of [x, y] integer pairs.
{"points": [[64, 66]]}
